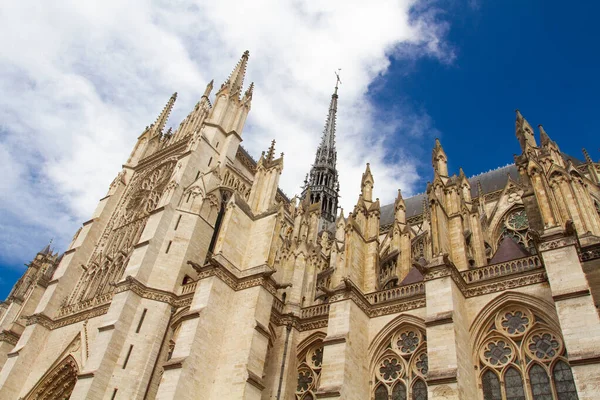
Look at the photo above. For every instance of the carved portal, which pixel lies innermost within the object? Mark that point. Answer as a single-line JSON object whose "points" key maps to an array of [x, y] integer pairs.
{"points": [[58, 383]]}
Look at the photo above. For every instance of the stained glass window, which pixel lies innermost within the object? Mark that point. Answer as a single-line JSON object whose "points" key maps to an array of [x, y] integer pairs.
{"points": [[399, 392], [491, 386], [540, 384], [563, 380], [419, 390], [514, 385], [381, 393], [516, 227], [517, 331], [401, 368]]}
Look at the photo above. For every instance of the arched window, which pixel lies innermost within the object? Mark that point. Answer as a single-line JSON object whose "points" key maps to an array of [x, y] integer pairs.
{"points": [[401, 367], [309, 371], [522, 354], [516, 226]]}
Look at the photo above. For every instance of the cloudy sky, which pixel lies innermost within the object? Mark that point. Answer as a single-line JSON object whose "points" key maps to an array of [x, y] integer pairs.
{"points": [[79, 81]]}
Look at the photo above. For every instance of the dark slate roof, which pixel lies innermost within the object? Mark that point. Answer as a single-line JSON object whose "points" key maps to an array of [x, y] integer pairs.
{"points": [[494, 180], [508, 250], [491, 181]]}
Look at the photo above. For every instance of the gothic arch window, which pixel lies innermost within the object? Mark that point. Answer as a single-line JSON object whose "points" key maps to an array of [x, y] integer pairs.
{"points": [[309, 371], [597, 205], [515, 225], [58, 383], [522, 357], [400, 369]]}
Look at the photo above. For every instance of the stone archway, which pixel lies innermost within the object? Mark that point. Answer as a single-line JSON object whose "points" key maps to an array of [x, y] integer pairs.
{"points": [[58, 383]]}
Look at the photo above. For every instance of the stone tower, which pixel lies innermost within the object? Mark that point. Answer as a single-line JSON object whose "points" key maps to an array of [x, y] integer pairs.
{"points": [[321, 184]]}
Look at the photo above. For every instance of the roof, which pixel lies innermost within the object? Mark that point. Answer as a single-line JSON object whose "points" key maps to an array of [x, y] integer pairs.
{"points": [[491, 181]]}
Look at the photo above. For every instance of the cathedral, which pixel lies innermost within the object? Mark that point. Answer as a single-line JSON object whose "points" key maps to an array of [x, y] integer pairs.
{"points": [[197, 278]]}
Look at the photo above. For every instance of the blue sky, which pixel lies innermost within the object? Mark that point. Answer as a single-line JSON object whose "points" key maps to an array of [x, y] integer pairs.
{"points": [[536, 56], [81, 81]]}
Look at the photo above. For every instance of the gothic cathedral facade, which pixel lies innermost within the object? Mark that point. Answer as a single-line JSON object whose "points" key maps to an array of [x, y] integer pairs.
{"points": [[197, 278]]}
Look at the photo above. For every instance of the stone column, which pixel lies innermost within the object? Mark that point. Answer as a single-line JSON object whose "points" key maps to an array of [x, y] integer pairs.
{"points": [[577, 313], [451, 373]]}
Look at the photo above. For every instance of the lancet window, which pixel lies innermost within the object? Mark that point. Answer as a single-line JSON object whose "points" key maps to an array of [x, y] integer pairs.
{"points": [[309, 372], [107, 263], [401, 368], [516, 226], [522, 357]]}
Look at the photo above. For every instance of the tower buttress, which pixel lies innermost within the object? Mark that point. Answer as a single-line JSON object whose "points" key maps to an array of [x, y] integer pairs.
{"points": [[322, 182]]}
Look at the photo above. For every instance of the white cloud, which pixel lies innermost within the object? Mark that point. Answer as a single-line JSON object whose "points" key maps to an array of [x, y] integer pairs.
{"points": [[79, 82]]}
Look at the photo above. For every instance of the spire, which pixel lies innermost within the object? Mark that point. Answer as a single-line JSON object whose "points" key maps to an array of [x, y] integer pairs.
{"points": [[544, 138], [366, 184], [327, 147], [524, 132], [439, 159], [271, 152], [161, 121], [587, 157], [236, 79], [323, 178], [208, 89], [249, 92], [47, 250]]}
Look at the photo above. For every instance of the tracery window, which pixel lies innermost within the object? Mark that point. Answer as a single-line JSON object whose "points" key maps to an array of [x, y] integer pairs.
{"points": [[309, 372], [516, 227], [108, 261], [522, 357], [400, 371]]}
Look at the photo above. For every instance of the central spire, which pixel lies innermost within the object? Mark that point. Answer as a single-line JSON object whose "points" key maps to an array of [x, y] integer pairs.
{"points": [[322, 183]]}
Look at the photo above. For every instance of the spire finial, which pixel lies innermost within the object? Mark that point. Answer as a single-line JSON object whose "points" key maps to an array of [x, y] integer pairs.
{"points": [[544, 138], [337, 80], [236, 79], [209, 88], [271, 152], [161, 121], [587, 157]]}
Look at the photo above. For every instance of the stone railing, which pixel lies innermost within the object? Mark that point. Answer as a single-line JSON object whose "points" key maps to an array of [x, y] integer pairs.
{"points": [[396, 293], [315, 311], [502, 269], [86, 304], [278, 304], [189, 287], [590, 254]]}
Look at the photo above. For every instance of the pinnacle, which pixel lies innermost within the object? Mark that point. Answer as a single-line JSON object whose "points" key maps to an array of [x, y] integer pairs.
{"points": [[587, 157]]}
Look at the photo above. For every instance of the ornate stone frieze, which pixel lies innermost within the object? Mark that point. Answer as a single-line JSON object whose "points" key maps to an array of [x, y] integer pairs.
{"points": [[557, 243], [9, 337], [236, 280]]}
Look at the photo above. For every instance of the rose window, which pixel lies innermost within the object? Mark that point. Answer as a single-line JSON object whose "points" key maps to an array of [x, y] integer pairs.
{"points": [[544, 346], [498, 353], [390, 369], [517, 220], [515, 322], [408, 342], [516, 227], [305, 380]]}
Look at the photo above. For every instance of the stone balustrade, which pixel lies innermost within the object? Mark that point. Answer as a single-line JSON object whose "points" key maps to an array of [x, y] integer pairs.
{"points": [[396, 293], [188, 288], [502, 269], [315, 311]]}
